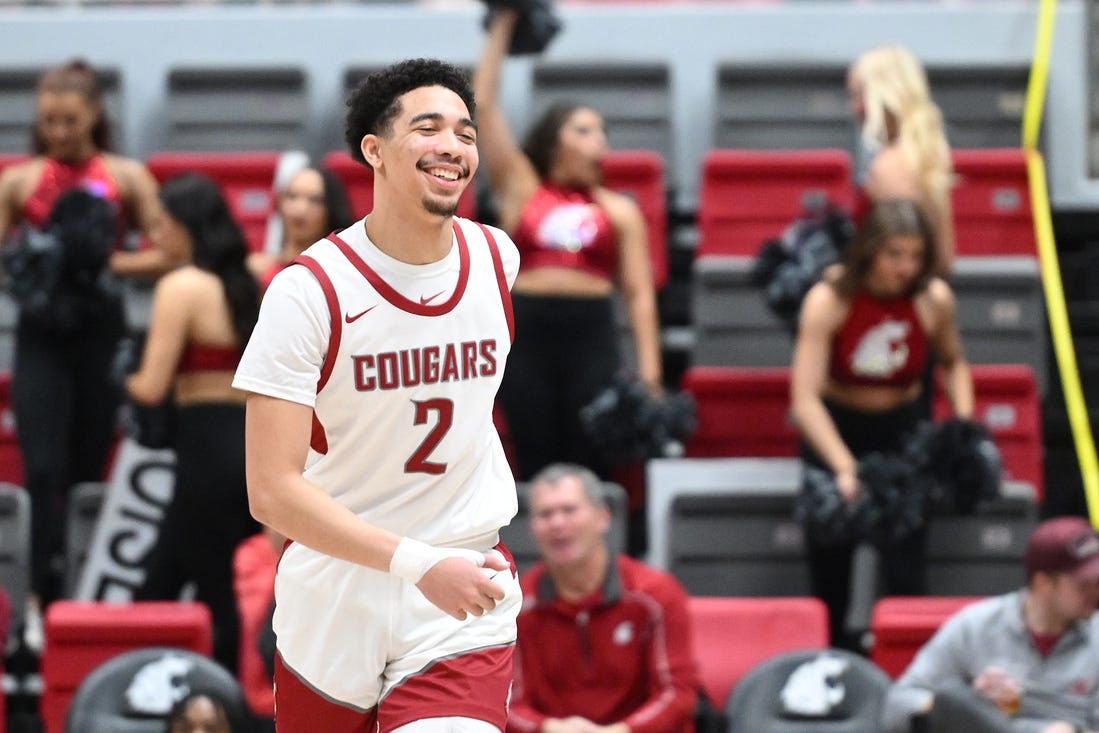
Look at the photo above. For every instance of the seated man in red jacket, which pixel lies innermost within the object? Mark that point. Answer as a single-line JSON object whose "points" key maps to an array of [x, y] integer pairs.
{"points": [[604, 641]]}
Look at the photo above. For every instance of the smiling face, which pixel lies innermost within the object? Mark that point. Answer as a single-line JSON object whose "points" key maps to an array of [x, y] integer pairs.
{"points": [[430, 149], [581, 147], [65, 120], [567, 526]]}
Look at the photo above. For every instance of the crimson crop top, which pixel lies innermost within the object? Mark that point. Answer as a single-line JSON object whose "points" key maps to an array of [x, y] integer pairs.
{"points": [[563, 227], [881, 343], [207, 358], [58, 177]]}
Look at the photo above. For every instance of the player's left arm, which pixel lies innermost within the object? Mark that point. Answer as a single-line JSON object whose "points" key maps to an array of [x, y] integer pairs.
{"points": [[636, 280], [947, 345]]}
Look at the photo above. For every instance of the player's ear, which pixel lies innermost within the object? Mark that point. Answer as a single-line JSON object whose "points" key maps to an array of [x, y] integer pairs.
{"points": [[370, 146]]}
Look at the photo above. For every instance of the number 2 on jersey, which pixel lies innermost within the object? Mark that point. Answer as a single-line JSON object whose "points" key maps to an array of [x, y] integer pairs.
{"points": [[417, 462]]}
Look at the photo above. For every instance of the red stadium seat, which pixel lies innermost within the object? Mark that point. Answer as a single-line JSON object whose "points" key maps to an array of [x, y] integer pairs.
{"points": [[80, 636], [900, 625], [742, 411], [640, 173], [733, 635], [359, 182], [1007, 403], [991, 203], [748, 196], [246, 180], [11, 458]]}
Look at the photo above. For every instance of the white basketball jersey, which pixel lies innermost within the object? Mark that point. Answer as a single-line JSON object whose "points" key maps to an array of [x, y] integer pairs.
{"points": [[403, 432]]}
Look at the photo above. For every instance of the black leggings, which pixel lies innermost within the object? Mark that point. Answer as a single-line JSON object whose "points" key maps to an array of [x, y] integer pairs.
{"points": [[206, 521], [565, 352], [903, 561], [65, 411]]}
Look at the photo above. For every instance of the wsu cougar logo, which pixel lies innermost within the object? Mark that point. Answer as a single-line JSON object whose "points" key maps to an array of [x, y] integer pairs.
{"points": [[571, 228], [812, 688], [159, 685], [881, 350]]}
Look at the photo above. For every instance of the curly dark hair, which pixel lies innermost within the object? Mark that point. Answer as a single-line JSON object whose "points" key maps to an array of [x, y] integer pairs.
{"points": [[373, 105]]}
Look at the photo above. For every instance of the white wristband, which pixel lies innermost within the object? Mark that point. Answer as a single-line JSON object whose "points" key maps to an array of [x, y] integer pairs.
{"points": [[412, 558]]}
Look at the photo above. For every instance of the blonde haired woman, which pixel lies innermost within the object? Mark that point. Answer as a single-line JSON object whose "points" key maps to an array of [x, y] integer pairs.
{"points": [[903, 128]]}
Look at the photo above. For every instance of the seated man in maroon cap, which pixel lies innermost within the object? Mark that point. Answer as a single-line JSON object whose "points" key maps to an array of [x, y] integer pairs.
{"points": [[1024, 662]]}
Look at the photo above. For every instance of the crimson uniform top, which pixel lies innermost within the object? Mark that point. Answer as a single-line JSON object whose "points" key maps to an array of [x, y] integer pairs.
{"points": [[621, 654], [564, 227], [881, 342], [92, 175]]}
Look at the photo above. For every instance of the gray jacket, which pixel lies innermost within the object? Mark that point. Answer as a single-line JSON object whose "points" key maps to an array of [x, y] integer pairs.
{"points": [[1063, 686]]}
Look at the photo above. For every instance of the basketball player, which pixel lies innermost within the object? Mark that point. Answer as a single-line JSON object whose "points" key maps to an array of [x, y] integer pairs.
{"points": [[370, 443]]}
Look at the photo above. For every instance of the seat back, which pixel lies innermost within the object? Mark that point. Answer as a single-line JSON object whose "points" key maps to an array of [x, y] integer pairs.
{"points": [[1007, 403], [981, 553], [229, 108], [832, 691], [737, 544], [742, 411], [733, 635], [133, 692], [749, 196], [900, 625], [246, 180], [991, 203], [358, 180], [82, 635], [1001, 312], [733, 324], [634, 98], [15, 548], [519, 540], [640, 175]]}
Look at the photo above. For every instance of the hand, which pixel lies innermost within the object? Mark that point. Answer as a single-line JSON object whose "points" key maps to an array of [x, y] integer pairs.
{"points": [[572, 724], [459, 587], [1002, 689], [847, 482]]}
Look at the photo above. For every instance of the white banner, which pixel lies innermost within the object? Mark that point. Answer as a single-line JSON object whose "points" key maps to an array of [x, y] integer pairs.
{"points": [[137, 496]]}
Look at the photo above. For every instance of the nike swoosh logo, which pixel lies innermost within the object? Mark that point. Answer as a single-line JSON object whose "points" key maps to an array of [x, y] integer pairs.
{"points": [[352, 318], [428, 299]]}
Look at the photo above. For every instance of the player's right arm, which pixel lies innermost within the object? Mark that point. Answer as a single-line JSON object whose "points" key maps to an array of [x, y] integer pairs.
{"points": [[277, 440], [277, 432]]}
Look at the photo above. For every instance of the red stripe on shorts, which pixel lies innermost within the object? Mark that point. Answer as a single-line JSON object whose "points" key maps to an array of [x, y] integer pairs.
{"points": [[301, 709], [475, 685]]}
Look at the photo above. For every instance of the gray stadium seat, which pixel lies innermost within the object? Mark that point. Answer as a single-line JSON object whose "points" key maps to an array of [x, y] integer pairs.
{"points": [[102, 702], [84, 504], [15, 537], [1001, 312], [235, 109], [981, 104], [779, 695], [519, 541], [733, 325], [737, 545], [781, 106], [981, 554], [634, 99]]}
